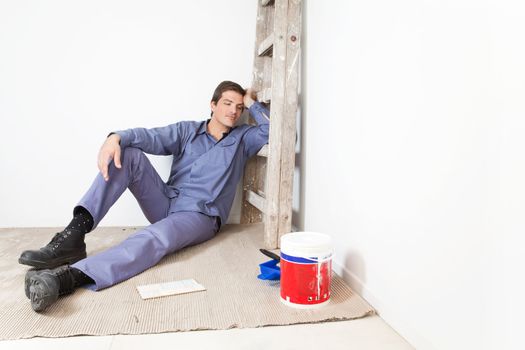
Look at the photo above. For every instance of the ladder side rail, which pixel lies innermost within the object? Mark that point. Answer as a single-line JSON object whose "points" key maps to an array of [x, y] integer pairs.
{"points": [[293, 50], [273, 171]]}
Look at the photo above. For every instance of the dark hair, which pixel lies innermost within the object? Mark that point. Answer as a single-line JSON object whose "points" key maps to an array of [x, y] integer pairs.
{"points": [[226, 86]]}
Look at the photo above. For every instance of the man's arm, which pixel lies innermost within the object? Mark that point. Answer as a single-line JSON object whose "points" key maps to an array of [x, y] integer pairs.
{"points": [[257, 136], [161, 141], [157, 141]]}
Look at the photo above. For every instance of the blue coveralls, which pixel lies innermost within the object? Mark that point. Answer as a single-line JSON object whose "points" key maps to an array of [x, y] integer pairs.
{"points": [[186, 210]]}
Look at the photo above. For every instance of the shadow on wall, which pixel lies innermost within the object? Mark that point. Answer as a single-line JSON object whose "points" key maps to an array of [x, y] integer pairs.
{"points": [[353, 268], [298, 214], [353, 261]]}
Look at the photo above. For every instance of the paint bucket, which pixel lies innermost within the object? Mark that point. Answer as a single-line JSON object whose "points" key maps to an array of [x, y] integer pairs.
{"points": [[306, 269]]}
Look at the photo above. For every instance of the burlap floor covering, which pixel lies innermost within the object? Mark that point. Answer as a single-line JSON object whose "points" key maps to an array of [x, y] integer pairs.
{"points": [[226, 265]]}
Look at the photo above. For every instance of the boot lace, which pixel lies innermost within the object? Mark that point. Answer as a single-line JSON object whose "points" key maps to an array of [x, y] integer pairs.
{"points": [[58, 239]]}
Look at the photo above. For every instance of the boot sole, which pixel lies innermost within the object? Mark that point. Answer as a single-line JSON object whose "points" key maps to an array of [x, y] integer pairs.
{"points": [[27, 281], [52, 263], [40, 300]]}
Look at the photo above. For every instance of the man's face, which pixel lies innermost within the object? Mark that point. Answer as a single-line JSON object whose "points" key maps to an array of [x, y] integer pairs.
{"points": [[228, 109]]}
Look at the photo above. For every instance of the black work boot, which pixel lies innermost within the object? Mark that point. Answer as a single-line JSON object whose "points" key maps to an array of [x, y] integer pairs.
{"points": [[33, 272], [66, 247], [46, 286]]}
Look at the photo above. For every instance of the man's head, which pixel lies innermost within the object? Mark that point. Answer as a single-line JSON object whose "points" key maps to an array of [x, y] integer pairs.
{"points": [[227, 103]]}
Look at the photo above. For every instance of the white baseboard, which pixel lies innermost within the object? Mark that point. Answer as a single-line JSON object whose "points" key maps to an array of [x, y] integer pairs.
{"points": [[389, 315]]}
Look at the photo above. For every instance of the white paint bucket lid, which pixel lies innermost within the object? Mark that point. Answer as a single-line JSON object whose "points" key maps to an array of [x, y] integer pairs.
{"points": [[306, 244]]}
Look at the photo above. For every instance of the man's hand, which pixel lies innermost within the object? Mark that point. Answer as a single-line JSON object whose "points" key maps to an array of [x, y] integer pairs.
{"points": [[249, 97], [109, 151]]}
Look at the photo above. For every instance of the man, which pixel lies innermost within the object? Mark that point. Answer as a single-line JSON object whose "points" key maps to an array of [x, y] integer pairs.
{"points": [[208, 160]]}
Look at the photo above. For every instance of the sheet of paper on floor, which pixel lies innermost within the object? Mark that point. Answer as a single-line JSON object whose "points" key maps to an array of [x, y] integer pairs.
{"points": [[156, 290]]}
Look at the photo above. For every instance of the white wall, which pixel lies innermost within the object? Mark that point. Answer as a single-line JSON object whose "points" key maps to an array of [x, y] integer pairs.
{"points": [[412, 159], [72, 71]]}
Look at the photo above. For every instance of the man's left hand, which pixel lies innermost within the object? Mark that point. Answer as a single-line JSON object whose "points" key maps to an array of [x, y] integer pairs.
{"points": [[249, 97]]}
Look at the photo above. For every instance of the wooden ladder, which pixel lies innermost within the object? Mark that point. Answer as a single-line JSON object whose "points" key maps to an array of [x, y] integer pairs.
{"points": [[268, 178]]}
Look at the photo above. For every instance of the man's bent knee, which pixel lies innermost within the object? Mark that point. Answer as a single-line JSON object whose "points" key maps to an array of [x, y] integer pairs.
{"points": [[130, 154]]}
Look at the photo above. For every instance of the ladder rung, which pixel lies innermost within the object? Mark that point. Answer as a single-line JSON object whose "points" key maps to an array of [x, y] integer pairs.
{"points": [[266, 46], [265, 95], [256, 200], [263, 152], [265, 2]]}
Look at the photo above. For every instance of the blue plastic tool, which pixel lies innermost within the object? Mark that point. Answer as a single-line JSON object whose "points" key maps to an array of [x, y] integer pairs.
{"points": [[270, 270]]}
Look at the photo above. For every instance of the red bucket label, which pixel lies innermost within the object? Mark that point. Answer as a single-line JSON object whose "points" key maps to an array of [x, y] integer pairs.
{"points": [[305, 281]]}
